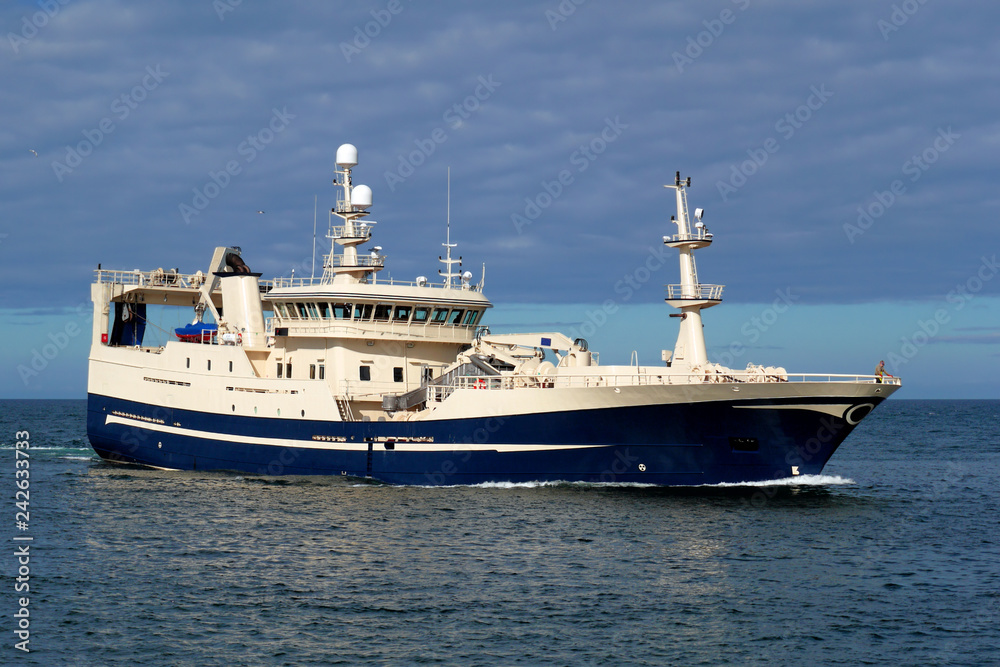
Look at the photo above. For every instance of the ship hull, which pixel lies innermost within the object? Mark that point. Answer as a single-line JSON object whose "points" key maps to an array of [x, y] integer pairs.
{"points": [[682, 443]]}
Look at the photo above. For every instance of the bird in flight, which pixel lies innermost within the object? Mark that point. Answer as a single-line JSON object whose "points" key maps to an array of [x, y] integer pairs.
{"points": [[33, 151], [260, 211]]}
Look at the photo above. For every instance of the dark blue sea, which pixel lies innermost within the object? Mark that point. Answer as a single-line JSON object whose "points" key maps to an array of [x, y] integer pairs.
{"points": [[891, 557]]}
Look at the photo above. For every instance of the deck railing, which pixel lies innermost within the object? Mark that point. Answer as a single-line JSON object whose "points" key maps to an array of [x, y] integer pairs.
{"points": [[506, 382], [359, 230], [319, 280], [699, 291], [700, 235], [155, 278]]}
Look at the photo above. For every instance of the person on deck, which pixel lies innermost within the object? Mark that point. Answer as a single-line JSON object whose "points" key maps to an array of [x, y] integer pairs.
{"points": [[880, 372]]}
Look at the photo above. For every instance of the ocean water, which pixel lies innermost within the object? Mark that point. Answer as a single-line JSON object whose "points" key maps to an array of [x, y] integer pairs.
{"points": [[892, 556]]}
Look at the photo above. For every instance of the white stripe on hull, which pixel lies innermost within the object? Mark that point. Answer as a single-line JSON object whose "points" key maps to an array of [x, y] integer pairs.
{"points": [[340, 446], [834, 409]]}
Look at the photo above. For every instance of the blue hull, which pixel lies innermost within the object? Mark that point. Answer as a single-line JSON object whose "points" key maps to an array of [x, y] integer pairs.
{"points": [[685, 444]]}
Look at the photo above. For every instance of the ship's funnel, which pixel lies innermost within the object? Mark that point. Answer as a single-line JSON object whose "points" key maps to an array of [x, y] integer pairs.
{"points": [[241, 307]]}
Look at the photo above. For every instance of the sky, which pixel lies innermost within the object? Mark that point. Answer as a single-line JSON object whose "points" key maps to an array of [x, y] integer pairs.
{"points": [[845, 153]]}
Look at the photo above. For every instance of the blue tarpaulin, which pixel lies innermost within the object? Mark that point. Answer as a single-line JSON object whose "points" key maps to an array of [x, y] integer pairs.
{"points": [[130, 324]]}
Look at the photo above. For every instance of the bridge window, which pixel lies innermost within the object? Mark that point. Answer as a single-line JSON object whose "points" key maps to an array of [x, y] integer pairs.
{"points": [[302, 311], [342, 311], [420, 315], [324, 310], [440, 315], [363, 311], [382, 312], [280, 309], [470, 317], [402, 313], [313, 310], [456, 316], [365, 373]]}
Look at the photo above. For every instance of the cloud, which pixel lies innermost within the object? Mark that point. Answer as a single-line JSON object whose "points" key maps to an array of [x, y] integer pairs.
{"points": [[785, 225]]}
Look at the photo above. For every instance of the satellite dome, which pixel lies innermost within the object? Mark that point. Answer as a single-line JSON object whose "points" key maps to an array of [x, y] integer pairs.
{"points": [[347, 156], [361, 196]]}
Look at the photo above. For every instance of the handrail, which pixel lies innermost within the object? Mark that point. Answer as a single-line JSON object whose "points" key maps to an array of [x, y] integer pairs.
{"points": [[358, 230], [699, 291], [319, 280], [154, 278], [360, 260], [158, 278], [646, 378], [701, 235]]}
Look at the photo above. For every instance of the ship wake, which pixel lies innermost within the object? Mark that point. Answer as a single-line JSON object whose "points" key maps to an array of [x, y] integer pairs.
{"points": [[798, 480]]}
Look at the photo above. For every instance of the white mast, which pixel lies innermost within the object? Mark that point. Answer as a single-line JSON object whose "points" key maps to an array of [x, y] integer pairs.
{"points": [[689, 296], [315, 210], [350, 267], [449, 275]]}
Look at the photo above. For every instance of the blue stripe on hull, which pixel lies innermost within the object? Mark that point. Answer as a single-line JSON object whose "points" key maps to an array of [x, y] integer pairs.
{"points": [[684, 444]]}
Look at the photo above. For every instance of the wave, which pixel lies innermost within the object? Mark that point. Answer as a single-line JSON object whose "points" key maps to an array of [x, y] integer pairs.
{"points": [[42, 448], [799, 480], [538, 484]]}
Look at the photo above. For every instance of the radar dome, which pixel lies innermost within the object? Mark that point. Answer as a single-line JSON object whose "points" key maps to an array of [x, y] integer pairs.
{"points": [[347, 156], [361, 197]]}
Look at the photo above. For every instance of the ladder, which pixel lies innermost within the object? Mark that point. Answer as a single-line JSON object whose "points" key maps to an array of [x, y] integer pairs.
{"points": [[344, 406]]}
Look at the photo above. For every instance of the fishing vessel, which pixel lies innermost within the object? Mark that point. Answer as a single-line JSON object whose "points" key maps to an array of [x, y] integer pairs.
{"points": [[349, 374]]}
